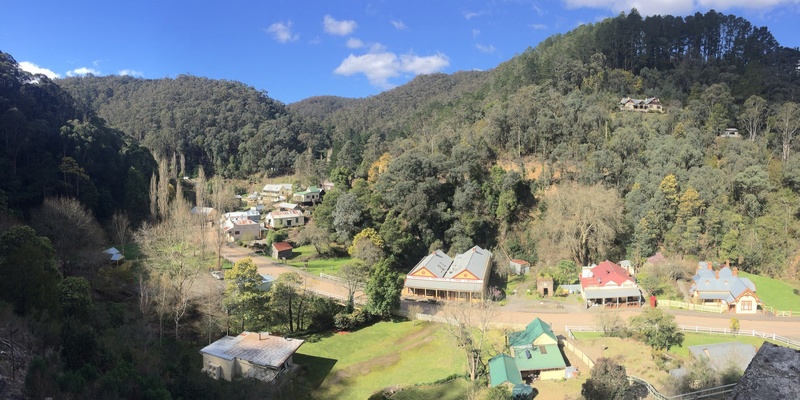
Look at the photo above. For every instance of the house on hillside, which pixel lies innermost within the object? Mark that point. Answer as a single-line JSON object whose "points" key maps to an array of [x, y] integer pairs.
{"points": [[439, 277], [207, 213], [285, 219], [729, 133], [520, 267], [536, 354], [608, 284], [241, 229], [250, 355], [113, 255], [284, 206], [725, 288], [650, 104], [281, 250], [312, 195], [276, 191]]}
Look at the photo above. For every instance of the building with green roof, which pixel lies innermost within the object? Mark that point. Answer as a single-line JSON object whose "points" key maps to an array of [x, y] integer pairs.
{"points": [[535, 352]]}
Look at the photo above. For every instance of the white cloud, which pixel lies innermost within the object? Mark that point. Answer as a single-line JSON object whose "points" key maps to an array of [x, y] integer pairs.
{"points": [[130, 72], [338, 28], [354, 43], [399, 25], [677, 7], [486, 48], [472, 14], [282, 32], [538, 27], [380, 67], [475, 33], [32, 68], [83, 71], [376, 48], [96, 63]]}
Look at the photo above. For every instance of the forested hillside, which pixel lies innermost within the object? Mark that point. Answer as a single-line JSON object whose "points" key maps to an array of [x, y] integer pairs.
{"points": [[229, 128], [51, 147], [478, 157]]}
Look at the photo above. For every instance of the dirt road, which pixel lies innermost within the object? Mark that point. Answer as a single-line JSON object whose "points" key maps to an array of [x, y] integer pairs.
{"points": [[558, 319]]}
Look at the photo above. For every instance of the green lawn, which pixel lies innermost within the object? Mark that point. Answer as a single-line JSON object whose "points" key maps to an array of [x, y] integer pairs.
{"points": [[454, 390], [689, 339], [357, 364], [775, 293], [316, 265]]}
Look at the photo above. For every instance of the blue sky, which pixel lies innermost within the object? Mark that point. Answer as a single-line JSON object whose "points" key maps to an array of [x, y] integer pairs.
{"points": [[298, 49]]}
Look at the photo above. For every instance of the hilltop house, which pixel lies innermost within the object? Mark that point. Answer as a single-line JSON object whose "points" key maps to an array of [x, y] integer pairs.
{"points": [[285, 219], [650, 104], [609, 284], [535, 354], [437, 276], [725, 288], [520, 267], [250, 355], [276, 191], [311, 195]]}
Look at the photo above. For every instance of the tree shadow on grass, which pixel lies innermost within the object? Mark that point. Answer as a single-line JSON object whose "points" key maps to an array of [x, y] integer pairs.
{"points": [[317, 368]]}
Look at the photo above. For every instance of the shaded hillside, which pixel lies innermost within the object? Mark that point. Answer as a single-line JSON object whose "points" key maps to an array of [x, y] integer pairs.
{"points": [[51, 147], [229, 127]]}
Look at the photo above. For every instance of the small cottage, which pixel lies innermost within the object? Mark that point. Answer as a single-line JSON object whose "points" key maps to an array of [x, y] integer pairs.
{"points": [[520, 267], [254, 355], [281, 250]]}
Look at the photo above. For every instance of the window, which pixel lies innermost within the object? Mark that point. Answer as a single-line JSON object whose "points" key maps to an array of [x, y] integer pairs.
{"points": [[235, 232], [747, 305]]}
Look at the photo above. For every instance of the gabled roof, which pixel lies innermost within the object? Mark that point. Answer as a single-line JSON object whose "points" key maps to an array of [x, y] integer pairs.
{"points": [[285, 214], [536, 328], [282, 246], [241, 214], [276, 187], [721, 284], [260, 349], [535, 358], [291, 206], [502, 369], [201, 210], [604, 273], [437, 270], [724, 355], [311, 189]]}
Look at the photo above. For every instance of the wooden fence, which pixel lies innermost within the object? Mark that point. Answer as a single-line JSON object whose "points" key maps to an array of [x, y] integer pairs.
{"points": [[581, 355], [779, 313]]}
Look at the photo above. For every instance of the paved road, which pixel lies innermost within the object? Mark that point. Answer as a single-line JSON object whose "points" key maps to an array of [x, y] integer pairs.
{"points": [[518, 311]]}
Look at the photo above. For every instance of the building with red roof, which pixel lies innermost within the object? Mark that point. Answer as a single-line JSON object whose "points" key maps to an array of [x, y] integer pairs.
{"points": [[609, 284]]}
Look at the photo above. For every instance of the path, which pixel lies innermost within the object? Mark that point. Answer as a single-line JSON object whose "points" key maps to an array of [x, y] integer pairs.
{"points": [[519, 314]]}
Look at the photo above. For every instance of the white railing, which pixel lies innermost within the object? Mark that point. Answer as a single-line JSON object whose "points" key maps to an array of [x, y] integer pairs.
{"points": [[704, 329], [690, 306]]}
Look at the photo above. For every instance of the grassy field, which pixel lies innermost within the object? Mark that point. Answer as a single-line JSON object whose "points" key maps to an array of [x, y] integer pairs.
{"points": [[316, 265], [453, 390], [690, 339], [357, 364], [775, 293]]}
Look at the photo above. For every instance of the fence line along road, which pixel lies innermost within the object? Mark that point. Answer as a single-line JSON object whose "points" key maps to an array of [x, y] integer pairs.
{"points": [[703, 329]]}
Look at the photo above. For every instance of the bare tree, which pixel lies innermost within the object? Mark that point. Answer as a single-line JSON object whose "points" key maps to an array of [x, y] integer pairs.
{"points": [[76, 236], [173, 261], [583, 219], [121, 226], [355, 276], [220, 198], [469, 325], [163, 188], [153, 197]]}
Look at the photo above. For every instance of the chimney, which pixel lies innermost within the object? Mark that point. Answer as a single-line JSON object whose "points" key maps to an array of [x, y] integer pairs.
{"points": [[708, 266], [727, 263], [735, 271], [716, 274]]}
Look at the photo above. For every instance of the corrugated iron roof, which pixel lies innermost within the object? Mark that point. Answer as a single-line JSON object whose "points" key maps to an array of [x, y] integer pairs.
{"points": [[261, 349]]}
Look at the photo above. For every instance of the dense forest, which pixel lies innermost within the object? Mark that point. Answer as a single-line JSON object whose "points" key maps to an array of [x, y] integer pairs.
{"points": [[533, 159]]}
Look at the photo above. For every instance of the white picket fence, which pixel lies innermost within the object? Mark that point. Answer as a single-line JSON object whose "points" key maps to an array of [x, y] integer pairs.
{"points": [[704, 329]]}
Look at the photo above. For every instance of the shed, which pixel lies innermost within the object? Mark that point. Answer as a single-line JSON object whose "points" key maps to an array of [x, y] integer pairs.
{"points": [[544, 285], [266, 282], [520, 267], [281, 250]]}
